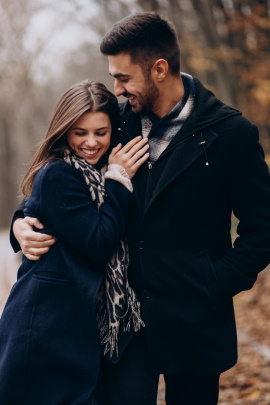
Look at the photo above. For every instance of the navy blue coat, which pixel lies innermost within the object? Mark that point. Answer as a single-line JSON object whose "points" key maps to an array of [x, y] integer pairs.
{"points": [[49, 340]]}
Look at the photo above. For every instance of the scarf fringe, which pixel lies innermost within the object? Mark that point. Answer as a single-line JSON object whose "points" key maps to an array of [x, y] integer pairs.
{"points": [[109, 333]]}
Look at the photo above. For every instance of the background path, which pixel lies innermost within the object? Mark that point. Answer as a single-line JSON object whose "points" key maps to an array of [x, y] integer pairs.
{"points": [[9, 263]]}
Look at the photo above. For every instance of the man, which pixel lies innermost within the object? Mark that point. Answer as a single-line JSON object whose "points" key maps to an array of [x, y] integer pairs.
{"points": [[205, 163]]}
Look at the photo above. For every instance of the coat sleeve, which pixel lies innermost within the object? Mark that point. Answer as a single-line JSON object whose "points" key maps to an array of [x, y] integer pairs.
{"points": [[250, 194], [65, 202]]}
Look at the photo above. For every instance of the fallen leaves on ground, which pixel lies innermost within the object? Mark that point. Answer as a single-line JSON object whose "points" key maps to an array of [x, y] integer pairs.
{"points": [[248, 382]]}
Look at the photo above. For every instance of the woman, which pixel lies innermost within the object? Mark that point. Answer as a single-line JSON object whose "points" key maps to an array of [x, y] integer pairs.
{"points": [[49, 338]]}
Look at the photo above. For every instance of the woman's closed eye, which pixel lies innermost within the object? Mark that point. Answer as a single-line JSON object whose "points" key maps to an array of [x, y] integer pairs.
{"points": [[101, 133], [80, 133]]}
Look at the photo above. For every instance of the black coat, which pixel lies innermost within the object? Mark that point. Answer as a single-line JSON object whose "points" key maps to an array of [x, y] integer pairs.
{"points": [[183, 266], [49, 340]]}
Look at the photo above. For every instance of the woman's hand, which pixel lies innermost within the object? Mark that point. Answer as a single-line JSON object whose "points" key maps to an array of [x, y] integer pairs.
{"points": [[131, 156]]}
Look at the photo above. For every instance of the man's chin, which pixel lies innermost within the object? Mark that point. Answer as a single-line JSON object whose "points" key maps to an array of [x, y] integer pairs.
{"points": [[140, 109]]}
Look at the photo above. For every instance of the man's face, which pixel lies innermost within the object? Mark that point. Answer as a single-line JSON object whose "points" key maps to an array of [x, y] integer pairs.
{"points": [[132, 83]]}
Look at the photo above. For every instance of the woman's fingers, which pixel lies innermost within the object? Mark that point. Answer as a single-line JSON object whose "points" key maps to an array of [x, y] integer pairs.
{"points": [[140, 161], [135, 148], [131, 156], [115, 149], [139, 154], [130, 148], [130, 144]]}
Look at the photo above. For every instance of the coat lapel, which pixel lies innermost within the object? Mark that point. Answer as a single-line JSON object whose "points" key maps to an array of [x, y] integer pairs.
{"points": [[185, 149], [183, 154], [131, 128]]}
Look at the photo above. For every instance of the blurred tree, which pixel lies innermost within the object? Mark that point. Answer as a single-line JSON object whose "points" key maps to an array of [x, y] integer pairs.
{"points": [[28, 85], [16, 97]]}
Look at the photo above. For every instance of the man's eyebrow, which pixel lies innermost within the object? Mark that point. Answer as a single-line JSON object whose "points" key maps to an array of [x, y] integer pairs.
{"points": [[119, 75]]}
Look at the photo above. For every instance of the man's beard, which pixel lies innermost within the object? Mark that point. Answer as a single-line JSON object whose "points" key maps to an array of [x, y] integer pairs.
{"points": [[146, 99], [150, 96]]}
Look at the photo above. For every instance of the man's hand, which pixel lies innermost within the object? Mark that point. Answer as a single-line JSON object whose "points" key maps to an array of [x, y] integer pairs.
{"points": [[33, 244]]}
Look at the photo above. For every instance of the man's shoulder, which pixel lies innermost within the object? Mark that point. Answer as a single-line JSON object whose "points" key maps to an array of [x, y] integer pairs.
{"points": [[216, 114], [235, 127]]}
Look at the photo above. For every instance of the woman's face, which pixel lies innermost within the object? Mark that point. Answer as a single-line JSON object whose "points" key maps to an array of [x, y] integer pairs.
{"points": [[90, 136]]}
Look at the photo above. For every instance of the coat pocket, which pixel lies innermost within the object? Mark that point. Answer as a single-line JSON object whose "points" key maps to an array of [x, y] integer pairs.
{"points": [[209, 279], [51, 277]]}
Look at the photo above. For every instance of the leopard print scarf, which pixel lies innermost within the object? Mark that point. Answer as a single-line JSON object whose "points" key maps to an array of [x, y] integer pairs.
{"points": [[117, 305]]}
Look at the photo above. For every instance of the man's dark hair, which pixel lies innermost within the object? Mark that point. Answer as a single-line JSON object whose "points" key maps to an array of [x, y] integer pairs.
{"points": [[146, 37]]}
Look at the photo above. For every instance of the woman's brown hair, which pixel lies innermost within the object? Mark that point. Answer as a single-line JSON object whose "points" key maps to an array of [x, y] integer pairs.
{"points": [[85, 96]]}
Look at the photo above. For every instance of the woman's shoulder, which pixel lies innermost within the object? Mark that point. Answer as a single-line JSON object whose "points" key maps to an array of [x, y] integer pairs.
{"points": [[56, 165], [57, 174], [56, 169]]}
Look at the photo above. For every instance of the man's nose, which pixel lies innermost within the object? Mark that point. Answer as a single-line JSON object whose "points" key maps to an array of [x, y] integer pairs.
{"points": [[119, 89]]}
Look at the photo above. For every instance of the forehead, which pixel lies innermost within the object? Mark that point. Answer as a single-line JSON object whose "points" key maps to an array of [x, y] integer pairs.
{"points": [[120, 65], [93, 119]]}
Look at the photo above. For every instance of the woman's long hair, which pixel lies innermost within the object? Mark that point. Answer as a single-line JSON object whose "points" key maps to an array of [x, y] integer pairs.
{"points": [[85, 96]]}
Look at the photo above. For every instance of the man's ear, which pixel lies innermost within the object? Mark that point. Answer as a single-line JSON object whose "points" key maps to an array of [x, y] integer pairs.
{"points": [[160, 70]]}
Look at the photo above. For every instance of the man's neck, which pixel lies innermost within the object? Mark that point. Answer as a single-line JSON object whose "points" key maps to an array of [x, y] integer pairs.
{"points": [[170, 93]]}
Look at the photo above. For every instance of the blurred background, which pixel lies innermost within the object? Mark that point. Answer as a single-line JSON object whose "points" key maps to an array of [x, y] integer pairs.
{"points": [[47, 45]]}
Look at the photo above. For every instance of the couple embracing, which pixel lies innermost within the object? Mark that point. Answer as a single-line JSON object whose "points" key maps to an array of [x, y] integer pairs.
{"points": [[128, 269]]}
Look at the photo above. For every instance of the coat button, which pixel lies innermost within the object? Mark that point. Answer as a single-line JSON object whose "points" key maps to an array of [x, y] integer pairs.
{"points": [[141, 244], [146, 294]]}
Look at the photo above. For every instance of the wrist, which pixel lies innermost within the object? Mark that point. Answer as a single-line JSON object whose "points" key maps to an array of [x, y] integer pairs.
{"points": [[118, 173]]}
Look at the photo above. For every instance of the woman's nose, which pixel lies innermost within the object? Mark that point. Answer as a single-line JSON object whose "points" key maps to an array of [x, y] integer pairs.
{"points": [[91, 141]]}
